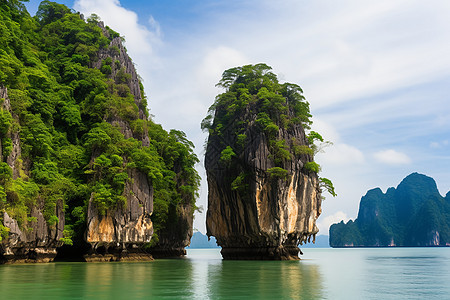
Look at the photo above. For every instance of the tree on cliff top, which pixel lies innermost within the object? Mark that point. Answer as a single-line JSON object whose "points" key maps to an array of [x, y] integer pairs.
{"points": [[254, 90]]}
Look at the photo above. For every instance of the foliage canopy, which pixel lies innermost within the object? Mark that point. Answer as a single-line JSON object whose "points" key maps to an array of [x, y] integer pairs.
{"points": [[254, 90], [62, 106]]}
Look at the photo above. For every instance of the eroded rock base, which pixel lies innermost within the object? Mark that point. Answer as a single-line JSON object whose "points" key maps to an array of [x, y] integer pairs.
{"points": [[168, 253], [121, 257], [28, 255], [268, 253], [107, 253]]}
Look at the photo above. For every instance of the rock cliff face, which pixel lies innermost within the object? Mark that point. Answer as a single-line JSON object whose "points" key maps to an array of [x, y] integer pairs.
{"points": [[35, 243], [123, 71], [131, 227], [414, 214], [177, 234], [121, 233], [13, 159], [261, 204], [34, 240]]}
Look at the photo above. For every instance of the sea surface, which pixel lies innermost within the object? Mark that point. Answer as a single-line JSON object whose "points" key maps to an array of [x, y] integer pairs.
{"points": [[371, 273]]}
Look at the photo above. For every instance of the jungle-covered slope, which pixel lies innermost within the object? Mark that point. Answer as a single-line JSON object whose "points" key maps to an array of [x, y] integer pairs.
{"points": [[75, 135], [412, 215]]}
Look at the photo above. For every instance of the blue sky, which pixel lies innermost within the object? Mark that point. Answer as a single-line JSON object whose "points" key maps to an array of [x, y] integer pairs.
{"points": [[376, 73]]}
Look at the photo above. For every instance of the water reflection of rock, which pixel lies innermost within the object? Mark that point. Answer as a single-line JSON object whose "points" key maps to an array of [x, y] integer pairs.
{"points": [[163, 279], [265, 280]]}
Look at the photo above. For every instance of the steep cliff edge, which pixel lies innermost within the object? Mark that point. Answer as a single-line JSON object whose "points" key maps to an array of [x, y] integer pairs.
{"points": [[26, 235], [264, 194], [412, 215], [121, 232]]}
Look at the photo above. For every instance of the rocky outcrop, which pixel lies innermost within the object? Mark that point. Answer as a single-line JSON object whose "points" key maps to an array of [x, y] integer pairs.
{"points": [[412, 215], [123, 72], [177, 230], [13, 159], [121, 233], [274, 217], [177, 233], [253, 213], [34, 241]]}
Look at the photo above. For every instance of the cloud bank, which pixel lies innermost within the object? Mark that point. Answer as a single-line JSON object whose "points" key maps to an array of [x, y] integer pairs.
{"points": [[392, 157], [325, 223]]}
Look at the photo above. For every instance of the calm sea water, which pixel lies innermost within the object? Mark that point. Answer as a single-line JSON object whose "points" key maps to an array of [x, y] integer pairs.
{"points": [[387, 273]]}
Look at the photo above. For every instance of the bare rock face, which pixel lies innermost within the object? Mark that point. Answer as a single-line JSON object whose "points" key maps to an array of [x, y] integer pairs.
{"points": [[121, 233], [262, 201], [275, 215], [35, 242], [177, 234]]}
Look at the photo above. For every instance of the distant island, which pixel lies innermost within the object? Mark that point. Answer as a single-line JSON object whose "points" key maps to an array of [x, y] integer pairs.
{"points": [[322, 241], [200, 241], [412, 215]]}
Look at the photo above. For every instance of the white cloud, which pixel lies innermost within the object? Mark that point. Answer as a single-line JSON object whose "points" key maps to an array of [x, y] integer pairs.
{"points": [[154, 25], [341, 154], [392, 157], [435, 145], [215, 61], [440, 144], [325, 222], [140, 40], [356, 48], [328, 131], [337, 153]]}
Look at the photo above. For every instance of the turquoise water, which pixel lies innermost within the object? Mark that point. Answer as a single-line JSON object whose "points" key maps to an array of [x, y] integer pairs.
{"points": [[386, 273]]}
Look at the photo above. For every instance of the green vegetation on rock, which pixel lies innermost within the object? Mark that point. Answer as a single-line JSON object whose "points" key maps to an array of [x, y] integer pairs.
{"points": [[64, 109], [255, 102], [413, 214]]}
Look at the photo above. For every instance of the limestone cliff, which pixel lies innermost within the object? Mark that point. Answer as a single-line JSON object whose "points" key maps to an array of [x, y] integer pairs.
{"points": [[84, 171], [412, 215], [122, 232], [36, 242], [131, 226], [32, 239], [263, 200], [177, 233]]}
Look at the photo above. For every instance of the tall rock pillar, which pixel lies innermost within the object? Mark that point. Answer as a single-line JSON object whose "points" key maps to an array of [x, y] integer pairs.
{"points": [[263, 189]]}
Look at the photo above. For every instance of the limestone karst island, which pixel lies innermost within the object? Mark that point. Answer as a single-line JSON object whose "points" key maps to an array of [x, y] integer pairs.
{"points": [[264, 194], [167, 150], [85, 173], [412, 215]]}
